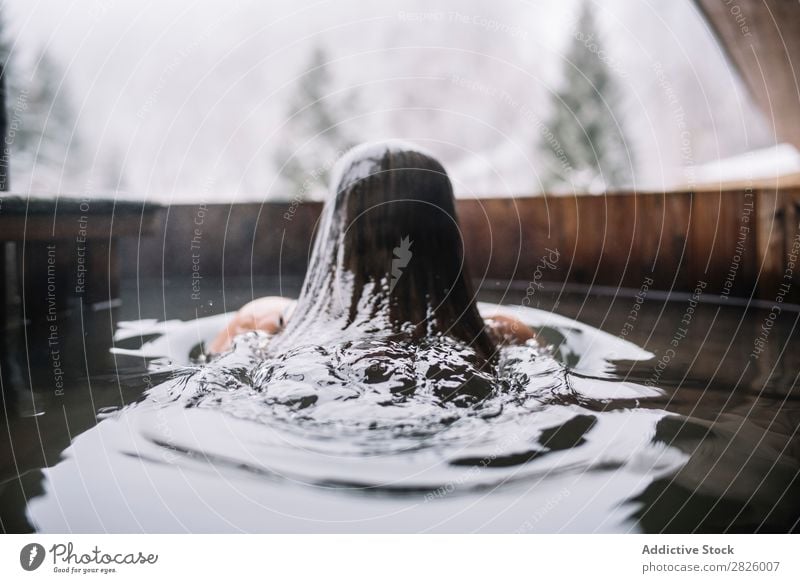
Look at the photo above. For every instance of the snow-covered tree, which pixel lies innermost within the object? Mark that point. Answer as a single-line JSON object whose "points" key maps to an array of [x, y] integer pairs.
{"points": [[42, 144], [46, 146], [313, 138], [4, 148], [585, 146]]}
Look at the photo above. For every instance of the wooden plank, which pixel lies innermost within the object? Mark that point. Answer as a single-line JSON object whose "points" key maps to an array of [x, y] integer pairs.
{"points": [[622, 259], [46, 277], [791, 205], [770, 231], [492, 235], [4, 299], [542, 241], [46, 218], [722, 242], [614, 239], [678, 214], [592, 237], [40, 228], [668, 215], [103, 272]]}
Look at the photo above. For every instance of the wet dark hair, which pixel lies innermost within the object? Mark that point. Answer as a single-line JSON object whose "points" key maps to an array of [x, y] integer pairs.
{"points": [[388, 255]]}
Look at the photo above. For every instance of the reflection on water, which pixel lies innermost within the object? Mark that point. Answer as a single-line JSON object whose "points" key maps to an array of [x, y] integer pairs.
{"points": [[372, 436], [574, 436]]}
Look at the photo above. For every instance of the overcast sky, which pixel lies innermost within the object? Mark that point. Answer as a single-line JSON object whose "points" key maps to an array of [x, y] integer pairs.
{"points": [[187, 97]]}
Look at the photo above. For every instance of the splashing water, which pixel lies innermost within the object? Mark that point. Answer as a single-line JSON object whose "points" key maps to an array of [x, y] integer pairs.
{"points": [[373, 435]]}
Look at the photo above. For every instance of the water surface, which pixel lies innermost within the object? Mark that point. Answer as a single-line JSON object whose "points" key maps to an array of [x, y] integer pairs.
{"points": [[584, 432]]}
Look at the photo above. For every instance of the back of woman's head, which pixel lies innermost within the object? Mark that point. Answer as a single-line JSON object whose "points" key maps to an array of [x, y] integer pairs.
{"points": [[389, 249]]}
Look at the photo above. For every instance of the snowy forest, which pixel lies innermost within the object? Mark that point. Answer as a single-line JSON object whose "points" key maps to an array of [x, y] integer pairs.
{"points": [[250, 101]]}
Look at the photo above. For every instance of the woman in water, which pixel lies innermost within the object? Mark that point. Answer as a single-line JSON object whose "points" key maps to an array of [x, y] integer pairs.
{"points": [[388, 263]]}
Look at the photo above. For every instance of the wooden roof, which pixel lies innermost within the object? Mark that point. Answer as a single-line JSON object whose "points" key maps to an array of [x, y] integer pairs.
{"points": [[762, 39]]}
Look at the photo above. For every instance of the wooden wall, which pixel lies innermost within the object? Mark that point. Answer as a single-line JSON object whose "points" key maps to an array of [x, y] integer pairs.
{"points": [[737, 242]]}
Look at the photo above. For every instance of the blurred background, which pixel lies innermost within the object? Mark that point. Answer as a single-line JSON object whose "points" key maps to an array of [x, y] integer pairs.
{"points": [[254, 101]]}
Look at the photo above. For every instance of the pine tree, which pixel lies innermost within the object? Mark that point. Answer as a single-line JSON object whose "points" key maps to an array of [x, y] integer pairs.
{"points": [[314, 140], [584, 139], [45, 144], [4, 149], [42, 146]]}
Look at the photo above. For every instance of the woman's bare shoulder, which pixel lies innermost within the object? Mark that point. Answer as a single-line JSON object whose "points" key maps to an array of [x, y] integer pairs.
{"points": [[268, 314], [265, 306], [509, 330]]}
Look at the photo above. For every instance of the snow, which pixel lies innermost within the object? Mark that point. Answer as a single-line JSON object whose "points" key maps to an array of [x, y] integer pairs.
{"points": [[776, 161]]}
